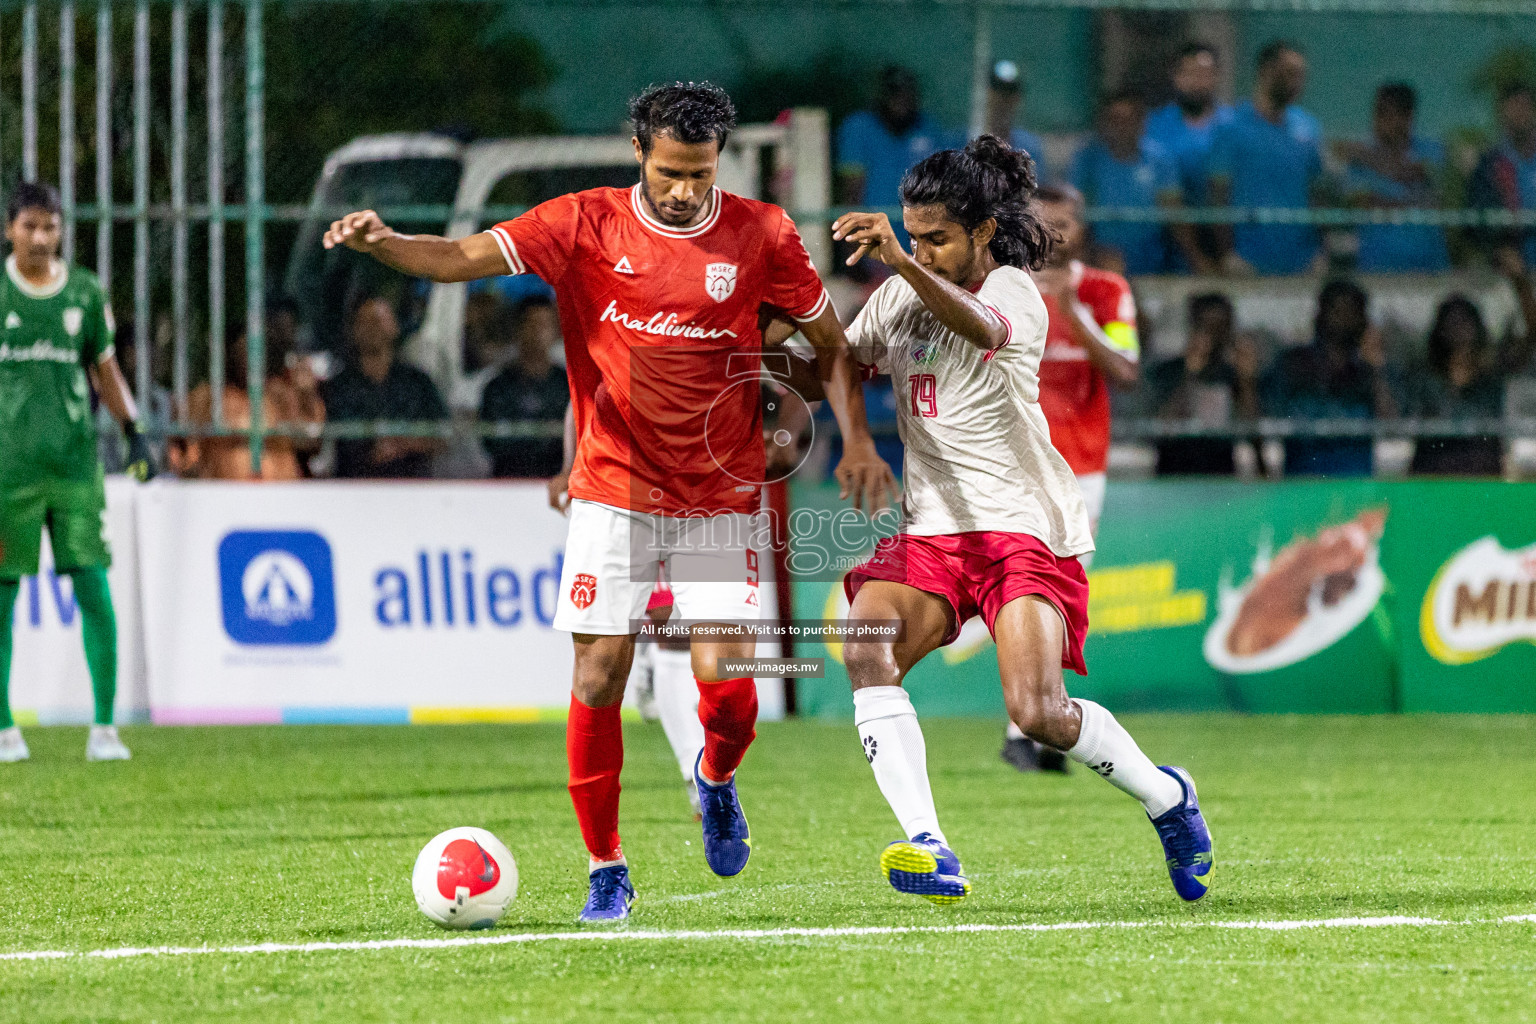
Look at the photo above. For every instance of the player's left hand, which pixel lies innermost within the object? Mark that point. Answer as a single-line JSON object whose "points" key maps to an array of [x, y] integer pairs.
{"points": [[141, 461], [874, 236], [864, 476]]}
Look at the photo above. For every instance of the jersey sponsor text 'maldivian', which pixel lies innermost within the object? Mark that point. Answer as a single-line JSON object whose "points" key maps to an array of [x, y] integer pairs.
{"points": [[48, 336]]}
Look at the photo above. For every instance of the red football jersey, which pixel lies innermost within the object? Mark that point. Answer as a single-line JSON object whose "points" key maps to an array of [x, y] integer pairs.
{"points": [[662, 342], [1073, 394]]}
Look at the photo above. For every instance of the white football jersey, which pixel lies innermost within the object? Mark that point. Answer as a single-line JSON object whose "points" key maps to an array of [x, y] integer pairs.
{"points": [[979, 453]]}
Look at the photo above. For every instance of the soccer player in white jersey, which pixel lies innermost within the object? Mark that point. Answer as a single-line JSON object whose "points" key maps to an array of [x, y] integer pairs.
{"points": [[994, 521]]}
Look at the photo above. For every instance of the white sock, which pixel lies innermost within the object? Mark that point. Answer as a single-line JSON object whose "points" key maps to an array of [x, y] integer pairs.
{"points": [[1108, 749], [597, 865], [677, 704], [1013, 732], [893, 745], [639, 667]]}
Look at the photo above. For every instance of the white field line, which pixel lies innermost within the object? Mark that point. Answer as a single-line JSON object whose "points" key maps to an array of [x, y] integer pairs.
{"points": [[746, 934]]}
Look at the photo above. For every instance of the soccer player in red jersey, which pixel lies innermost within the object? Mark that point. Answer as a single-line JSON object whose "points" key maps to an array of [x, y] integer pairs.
{"points": [[1090, 346], [994, 523], [659, 288]]}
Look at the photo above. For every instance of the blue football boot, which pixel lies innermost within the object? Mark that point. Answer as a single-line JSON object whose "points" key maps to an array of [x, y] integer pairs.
{"points": [[1186, 841], [925, 867], [608, 901], [727, 841]]}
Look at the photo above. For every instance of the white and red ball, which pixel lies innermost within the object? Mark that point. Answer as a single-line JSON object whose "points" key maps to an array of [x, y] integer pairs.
{"points": [[464, 878]]}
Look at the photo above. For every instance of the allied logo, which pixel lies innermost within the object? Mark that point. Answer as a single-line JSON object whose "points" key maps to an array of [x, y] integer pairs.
{"points": [[925, 353], [583, 590], [623, 267], [277, 587], [720, 280], [74, 319], [1483, 598]]}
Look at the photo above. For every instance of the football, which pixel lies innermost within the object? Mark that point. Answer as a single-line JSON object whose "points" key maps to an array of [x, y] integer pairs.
{"points": [[464, 879]]}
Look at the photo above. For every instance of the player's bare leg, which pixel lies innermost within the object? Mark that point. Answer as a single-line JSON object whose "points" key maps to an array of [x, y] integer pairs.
{"points": [[1030, 636], [594, 748], [892, 739], [728, 713]]}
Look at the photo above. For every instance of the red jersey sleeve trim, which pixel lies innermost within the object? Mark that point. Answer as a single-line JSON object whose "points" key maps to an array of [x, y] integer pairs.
{"points": [[816, 310], [868, 371], [508, 250], [986, 356]]}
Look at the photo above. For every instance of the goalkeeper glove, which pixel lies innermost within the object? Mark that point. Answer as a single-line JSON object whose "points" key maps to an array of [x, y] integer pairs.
{"points": [[141, 462]]}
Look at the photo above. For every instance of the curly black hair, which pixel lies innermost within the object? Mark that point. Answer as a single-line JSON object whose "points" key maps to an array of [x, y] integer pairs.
{"points": [[690, 112], [988, 178]]}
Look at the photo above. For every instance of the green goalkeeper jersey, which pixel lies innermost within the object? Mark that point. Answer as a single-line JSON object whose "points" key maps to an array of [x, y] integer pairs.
{"points": [[48, 337]]}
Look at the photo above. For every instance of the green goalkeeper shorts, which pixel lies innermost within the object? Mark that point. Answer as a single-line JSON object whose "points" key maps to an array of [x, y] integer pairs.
{"points": [[75, 513]]}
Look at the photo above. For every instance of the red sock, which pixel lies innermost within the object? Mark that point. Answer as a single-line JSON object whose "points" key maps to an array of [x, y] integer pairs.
{"points": [[728, 710], [594, 749]]}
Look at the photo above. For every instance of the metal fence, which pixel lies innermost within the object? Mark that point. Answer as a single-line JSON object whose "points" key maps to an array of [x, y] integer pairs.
{"points": [[211, 212], [213, 215]]}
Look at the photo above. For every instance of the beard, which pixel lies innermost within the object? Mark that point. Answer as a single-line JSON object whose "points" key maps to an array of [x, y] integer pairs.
{"points": [[673, 218]]}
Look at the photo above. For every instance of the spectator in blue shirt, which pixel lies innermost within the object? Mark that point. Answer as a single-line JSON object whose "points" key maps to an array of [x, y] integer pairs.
{"points": [[1505, 178], [1268, 156], [1187, 124], [1342, 375], [875, 147], [1120, 167], [1005, 95], [1396, 170]]}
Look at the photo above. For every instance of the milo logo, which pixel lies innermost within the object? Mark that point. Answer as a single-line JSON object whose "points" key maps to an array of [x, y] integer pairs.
{"points": [[1483, 598]]}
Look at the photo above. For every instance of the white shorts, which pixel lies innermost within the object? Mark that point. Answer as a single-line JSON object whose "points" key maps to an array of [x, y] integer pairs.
{"points": [[612, 556], [1092, 485]]}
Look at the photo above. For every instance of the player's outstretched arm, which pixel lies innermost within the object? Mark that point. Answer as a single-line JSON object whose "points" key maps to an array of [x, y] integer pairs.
{"points": [[429, 256], [862, 474], [954, 307]]}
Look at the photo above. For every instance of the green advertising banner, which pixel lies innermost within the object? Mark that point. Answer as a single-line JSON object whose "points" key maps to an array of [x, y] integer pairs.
{"points": [[1351, 596]]}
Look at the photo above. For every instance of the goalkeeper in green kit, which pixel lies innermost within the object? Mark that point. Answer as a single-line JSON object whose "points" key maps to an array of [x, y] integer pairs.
{"points": [[57, 330]]}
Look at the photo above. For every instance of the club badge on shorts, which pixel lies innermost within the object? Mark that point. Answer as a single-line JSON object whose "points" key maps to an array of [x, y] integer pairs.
{"points": [[583, 590], [720, 280]]}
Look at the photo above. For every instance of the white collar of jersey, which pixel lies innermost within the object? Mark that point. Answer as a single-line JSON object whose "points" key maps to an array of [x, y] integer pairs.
{"points": [[47, 291], [657, 226]]}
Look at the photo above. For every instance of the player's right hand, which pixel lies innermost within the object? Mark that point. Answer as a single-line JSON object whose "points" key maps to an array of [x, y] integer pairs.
{"points": [[559, 493], [874, 236], [865, 477], [361, 231]]}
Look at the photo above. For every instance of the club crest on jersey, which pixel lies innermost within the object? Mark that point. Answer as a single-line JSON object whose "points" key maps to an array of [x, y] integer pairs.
{"points": [[720, 280], [74, 319], [583, 590]]}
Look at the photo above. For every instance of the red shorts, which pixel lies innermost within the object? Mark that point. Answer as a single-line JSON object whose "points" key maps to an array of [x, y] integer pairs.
{"points": [[978, 573]]}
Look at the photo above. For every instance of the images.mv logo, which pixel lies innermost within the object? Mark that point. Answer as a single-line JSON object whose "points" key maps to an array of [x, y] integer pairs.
{"points": [[277, 587]]}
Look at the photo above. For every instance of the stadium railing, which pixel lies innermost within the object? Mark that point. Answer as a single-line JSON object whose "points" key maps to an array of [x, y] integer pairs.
{"points": [[254, 214]]}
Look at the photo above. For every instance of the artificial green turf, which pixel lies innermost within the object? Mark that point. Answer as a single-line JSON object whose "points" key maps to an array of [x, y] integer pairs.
{"points": [[300, 834]]}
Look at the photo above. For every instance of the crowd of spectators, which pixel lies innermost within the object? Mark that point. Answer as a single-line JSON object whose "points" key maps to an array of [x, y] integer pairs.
{"points": [[511, 376], [1264, 151], [1268, 151]]}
